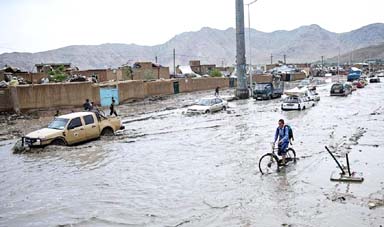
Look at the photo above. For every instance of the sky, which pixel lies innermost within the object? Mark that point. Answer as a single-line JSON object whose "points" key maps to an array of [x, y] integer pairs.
{"points": [[39, 25]]}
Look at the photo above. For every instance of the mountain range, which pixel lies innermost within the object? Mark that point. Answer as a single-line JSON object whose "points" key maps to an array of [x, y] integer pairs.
{"points": [[211, 46]]}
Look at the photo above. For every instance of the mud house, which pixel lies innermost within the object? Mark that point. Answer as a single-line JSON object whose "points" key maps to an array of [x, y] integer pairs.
{"points": [[201, 69], [46, 67], [149, 71], [102, 75]]}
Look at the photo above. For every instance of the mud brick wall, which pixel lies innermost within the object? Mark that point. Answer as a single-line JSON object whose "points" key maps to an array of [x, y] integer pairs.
{"points": [[162, 87], [133, 89], [5, 99], [199, 84], [55, 95]]}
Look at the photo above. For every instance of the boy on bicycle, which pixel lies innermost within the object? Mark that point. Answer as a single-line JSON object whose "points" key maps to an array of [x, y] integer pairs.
{"points": [[282, 133]]}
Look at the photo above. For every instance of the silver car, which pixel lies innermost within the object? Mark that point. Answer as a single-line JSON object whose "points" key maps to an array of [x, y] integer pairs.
{"points": [[208, 105]]}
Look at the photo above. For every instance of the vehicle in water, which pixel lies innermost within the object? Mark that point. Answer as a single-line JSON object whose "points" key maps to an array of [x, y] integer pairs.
{"points": [[313, 95], [269, 90], [354, 74], [374, 80], [294, 102], [358, 84], [341, 89], [73, 128], [208, 105]]}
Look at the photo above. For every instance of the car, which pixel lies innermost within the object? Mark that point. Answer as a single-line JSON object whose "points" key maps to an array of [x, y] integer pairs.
{"points": [[341, 89], [358, 84], [297, 103], [313, 95], [208, 105], [73, 128], [374, 80]]}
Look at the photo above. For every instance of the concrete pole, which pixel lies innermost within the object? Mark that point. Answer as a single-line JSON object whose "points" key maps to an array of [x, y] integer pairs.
{"points": [[242, 90], [174, 62]]}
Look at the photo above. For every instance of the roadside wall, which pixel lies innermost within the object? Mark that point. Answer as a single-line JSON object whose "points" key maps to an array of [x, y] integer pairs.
{"points": [[5, 99], [161, 87], [199, 84], [46, 96], [133, 89], [55, 95]]}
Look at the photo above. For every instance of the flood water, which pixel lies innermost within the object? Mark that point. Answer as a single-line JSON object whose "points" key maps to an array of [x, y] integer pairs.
{"points": [[169, 169]]}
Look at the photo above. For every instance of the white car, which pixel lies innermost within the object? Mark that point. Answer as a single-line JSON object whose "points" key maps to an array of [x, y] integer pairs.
{"points": [[313, 95], [208, 105], [297, 103]]}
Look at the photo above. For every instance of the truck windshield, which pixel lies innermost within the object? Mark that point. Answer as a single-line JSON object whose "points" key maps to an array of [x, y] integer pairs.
{"points": [[58, 123], [261, 86]]}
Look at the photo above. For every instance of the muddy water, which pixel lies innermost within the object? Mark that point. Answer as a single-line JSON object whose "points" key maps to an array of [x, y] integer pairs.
{"points": [[168, 169]]}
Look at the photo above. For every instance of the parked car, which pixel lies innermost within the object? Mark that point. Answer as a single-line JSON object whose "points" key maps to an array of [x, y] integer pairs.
{"points": [[374, 80], [73, 128], [208, 105], [297, 103], [341, 89]]}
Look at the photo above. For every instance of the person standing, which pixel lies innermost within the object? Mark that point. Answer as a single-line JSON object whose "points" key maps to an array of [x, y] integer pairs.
{"points": [[112, 107], [87, 105], [217, 91]]}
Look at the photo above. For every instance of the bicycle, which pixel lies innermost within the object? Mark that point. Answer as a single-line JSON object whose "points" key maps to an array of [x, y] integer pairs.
{"points": [[270, 162]]}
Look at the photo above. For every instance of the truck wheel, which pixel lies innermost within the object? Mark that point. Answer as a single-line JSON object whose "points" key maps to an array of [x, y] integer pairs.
{"points": [[207, 111], [59, 142], [107, 132]]}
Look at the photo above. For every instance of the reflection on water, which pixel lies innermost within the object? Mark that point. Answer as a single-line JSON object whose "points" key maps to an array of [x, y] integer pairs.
{"points": [[168, 169]]}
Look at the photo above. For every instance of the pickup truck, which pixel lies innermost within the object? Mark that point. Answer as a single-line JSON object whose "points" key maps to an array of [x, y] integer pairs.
{"points": [[71, 129], [264, 91]]}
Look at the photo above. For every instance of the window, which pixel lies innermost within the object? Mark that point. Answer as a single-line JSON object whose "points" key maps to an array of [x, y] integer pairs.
{"points": [[89, 120], [75, 122], [218, 101], [58, 123]]}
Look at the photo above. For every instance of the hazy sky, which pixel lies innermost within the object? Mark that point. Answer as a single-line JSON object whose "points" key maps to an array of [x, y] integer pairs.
{"points": [[38, 25]]}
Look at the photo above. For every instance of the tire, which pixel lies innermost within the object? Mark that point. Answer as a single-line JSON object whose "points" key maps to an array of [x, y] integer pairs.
{"points": [[207, 111], [303, 107], [268, 163], [107, 132], [59, 142], [291, 155]]}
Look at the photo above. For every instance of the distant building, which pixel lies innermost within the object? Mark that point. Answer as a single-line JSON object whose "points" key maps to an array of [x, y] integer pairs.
{"points": [[201, 69], [101, 75], [149, 71], [46, 67]]}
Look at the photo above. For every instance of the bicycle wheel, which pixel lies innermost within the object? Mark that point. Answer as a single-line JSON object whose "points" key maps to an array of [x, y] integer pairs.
{"points": [[268, 163], [291, 155]]}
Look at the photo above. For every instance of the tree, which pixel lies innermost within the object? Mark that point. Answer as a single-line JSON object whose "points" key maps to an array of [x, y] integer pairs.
{"points": [[58, 74], [215, 73]]}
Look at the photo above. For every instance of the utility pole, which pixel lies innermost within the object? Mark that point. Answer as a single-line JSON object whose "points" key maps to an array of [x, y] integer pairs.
{"points": [[322, 63], [271, 59], [250, 47], [174, 62], [285, 62], [242, 90]]}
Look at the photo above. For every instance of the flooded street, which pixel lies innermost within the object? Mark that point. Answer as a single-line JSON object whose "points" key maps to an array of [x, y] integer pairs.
{"points": [[170, 169]]}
